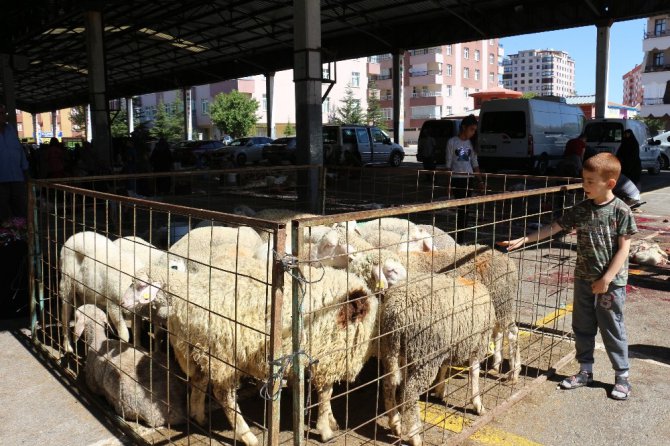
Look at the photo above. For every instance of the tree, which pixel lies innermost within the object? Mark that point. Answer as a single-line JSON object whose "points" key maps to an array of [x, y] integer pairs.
{"points": [[289, 130], [169, 121], [655, 125], [350, 112], [119, 126], [529, 95], [234, 113], [374, 114], [78, 118]]}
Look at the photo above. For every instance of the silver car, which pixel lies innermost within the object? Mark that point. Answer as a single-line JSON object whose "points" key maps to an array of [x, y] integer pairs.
{"points": [[664, 146]]}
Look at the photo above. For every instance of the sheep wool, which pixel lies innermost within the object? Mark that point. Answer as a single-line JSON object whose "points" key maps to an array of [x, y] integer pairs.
{"points": [[426, 322], [340, 316], [94, 270], [139, 385], [493, 269]]}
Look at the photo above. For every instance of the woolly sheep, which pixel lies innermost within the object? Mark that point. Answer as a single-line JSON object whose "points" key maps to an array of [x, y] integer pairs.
{"points": [[147, 253], [415, 239], [329, 328], [493, 269], [441, 239], [424, 323], [136, 383], [94, 270]]}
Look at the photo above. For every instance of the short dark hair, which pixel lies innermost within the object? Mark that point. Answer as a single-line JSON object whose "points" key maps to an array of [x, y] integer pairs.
{"points": [[468, 121], [605, 165]]}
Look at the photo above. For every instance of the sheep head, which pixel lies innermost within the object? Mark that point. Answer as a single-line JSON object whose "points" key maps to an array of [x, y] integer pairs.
{"points": [[417, 239]]}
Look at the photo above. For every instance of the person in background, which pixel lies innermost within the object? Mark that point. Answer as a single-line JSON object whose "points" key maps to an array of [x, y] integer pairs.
{"points": [[161, 161], [629, 157], [573, 156], [13, 171], [461, 160], [604, 226], [56, 159]]}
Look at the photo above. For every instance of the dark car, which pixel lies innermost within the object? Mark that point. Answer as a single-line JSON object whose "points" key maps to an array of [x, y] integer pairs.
{"points": [[195, 153], [281, 149]]}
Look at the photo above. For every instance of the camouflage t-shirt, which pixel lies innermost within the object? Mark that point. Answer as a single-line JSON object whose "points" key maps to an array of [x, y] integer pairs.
{"points": [[598, 230]]}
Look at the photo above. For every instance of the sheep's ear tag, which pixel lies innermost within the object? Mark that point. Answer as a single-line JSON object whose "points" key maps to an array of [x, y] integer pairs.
{"points": [[150, 296]]}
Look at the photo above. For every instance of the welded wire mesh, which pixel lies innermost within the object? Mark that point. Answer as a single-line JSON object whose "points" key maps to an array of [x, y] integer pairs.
{"points": [[328, 339]]}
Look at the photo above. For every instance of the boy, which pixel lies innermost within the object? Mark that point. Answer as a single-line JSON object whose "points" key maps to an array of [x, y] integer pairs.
{"points": [[604, 226]]}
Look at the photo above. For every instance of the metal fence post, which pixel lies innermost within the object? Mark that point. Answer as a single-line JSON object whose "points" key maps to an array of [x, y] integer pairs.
{"points": [[296, 332], [276, 338]]}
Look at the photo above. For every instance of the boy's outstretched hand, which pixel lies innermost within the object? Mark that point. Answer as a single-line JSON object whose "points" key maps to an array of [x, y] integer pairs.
{"points": [[513, 244]]}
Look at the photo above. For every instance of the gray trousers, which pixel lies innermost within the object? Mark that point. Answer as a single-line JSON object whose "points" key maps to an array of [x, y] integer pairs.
{"points": [[601, 311]]}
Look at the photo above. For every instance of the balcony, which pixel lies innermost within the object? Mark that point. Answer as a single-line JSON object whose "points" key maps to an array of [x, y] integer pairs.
{"points": [[651, 35], [659, 42], [655, 68], [381, 77], [654, 107], [652, 101], [425, 77], [426, 94]]}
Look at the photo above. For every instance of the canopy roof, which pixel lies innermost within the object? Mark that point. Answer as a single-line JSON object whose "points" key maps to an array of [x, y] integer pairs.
{"points": [[164, 44]]}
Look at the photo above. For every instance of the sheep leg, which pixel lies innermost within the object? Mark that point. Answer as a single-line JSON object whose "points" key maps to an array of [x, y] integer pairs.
{"points": [[326, 423], [441, 388], [118, 321], [473, 372], [409, 408], [498, 333], [65, 310], [390, 387], [199, 382], [514, 352], [228, 399]]}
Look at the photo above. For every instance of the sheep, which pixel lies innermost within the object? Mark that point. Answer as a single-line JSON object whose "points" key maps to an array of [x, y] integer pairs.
{"points": [[441, 239], [426, 322], [147, 253], [338, 309], [497, 272], [644, 252], [415, 239], [94, 270], [393, 224], [136, 383]]}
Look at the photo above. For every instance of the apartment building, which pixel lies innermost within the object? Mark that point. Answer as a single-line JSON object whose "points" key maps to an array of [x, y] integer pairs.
{"points": [[45, 125], [545, 72], [632, 87], [438, 81], [656, 69]]}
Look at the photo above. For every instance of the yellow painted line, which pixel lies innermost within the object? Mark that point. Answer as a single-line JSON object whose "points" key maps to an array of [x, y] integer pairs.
{"points": [[551, 317], [436, 416]]}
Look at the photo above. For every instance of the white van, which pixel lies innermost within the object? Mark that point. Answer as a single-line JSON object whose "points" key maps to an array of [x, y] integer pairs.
{"points": [[605, 135], [526, 134]]}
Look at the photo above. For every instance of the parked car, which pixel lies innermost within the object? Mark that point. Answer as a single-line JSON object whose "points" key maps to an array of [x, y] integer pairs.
{"points": [[243, 150], [664, 147], [526, 134], [195, 153], [359, 145], [604, 135], [281, 149], [432, 152]]}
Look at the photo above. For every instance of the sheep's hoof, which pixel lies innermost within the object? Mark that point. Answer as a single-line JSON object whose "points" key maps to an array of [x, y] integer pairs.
{"points": [[395, 425], [249, 439], [67, 348], [326, 434], [199, 418], [415, 440], [481, 410]]}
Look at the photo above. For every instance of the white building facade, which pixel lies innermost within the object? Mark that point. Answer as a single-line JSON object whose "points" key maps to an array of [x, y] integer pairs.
{"points": [[545, 72], [656, 69]]}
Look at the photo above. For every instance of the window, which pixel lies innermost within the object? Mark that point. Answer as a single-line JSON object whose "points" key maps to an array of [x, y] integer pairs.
{"points": [[477, 55], [448, 50], [491, 76], [476, 75], [355, 79], [449, 110], [491, 41], [467, 92], [466, 73], [387, 113], [491, 58], [325, 107], [448, 90], [659, 59], [19, 126], [264, 102], [449, 69], [204, 106], [660, 27], [466, 53]]}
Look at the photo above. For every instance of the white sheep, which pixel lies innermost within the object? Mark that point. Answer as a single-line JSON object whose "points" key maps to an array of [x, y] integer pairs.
{"points": [[497, 271], [94, 270], [148, 254], [425, 323], [415, 239], [644, 252], [340, 319], [140, 385]]}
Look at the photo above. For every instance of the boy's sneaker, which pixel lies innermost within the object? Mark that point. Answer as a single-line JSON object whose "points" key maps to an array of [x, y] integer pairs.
{"points": [[581, 379], [621, 389]]}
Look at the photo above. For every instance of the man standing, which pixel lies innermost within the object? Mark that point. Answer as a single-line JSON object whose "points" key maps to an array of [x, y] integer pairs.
{"points": [[13, 169]]}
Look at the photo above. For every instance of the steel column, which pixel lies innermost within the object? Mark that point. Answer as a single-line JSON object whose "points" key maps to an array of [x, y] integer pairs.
{"points": [[269, 99], [602, 68]]}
